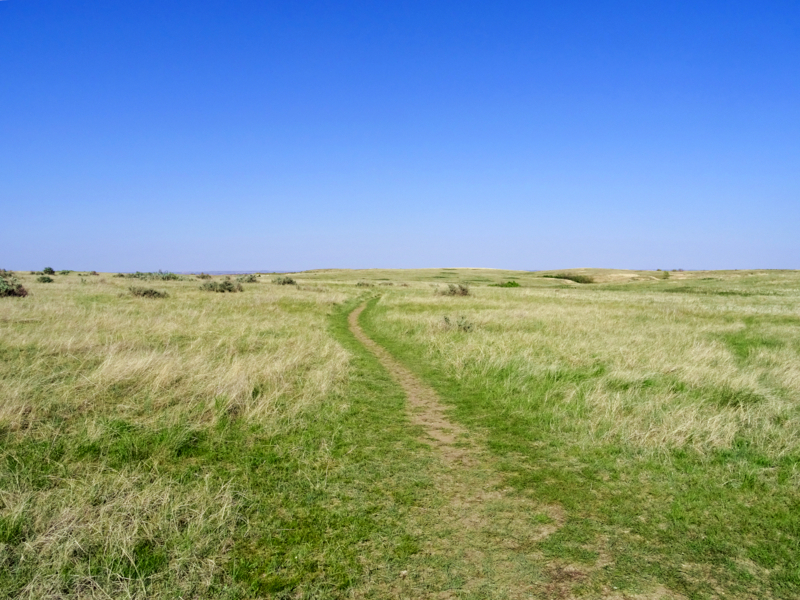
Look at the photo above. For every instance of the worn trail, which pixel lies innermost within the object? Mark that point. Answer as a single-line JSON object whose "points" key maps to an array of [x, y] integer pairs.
{"points": [[483, 535]]}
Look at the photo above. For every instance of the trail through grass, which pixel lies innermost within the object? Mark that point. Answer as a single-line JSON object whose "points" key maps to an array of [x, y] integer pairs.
{"points": [[636, 437]]}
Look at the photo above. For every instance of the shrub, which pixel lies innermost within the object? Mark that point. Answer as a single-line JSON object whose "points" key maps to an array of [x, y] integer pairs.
{"points": [[506, 284], [44, 279], [571, 277], [462, 324], [454, 289], [147, 292], [64, 272], [364, 284], [204, 276], [221, 286], [9, 286], [247, 279], [48, 271], [93, 273], [285, 280]]}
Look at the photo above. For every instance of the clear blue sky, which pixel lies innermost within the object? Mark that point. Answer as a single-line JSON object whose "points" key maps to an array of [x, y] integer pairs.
{"points": [[290, 135]]}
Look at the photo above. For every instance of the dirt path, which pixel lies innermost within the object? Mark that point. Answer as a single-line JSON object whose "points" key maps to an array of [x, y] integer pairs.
{"points": [[483, 535]]}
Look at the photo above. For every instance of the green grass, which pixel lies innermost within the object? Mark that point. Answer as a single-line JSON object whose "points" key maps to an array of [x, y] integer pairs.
{"points": [[247, 446], [142, 494], [696, 516]]}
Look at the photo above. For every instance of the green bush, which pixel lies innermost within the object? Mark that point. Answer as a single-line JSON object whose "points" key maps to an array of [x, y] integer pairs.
{"points": [[64, 272], [203, 276], [454, 289], [506, 284], [9, 286], [222, 286], [147, 292], [44, 279], [571, 277], [247, 279], [364, 284], [48, 271], [285, 280]]}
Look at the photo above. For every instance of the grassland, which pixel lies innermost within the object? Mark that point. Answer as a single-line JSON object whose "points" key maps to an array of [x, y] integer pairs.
{"points": [[247, 445]]}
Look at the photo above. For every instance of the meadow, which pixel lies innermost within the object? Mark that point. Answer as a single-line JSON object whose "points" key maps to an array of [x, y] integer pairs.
{"points": [[635, 434]]}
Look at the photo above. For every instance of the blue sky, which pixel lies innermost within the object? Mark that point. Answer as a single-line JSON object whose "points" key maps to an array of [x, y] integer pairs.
{"points": [[294, 135]]}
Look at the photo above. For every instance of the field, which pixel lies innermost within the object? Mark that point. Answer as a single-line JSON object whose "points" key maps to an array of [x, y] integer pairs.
{"points": [[538, 437]]}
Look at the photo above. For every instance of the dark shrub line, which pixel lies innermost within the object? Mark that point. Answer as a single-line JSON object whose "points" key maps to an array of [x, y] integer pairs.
{"points": [[222, 286], [147, 292], [160, 275], [571, 277]]}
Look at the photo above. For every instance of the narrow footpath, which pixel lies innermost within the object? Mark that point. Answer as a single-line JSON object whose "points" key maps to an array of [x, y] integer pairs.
{"points": [[484, 535]]}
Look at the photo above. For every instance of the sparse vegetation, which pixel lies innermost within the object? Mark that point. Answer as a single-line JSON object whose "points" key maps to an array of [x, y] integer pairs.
{"points": [[506, 284], [64, 272], [143, 292], [364, 283], [203, 276], [461, 324]]}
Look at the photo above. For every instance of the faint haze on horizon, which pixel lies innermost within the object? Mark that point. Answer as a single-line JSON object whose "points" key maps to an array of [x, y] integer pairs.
{"points": [[190, 136]]}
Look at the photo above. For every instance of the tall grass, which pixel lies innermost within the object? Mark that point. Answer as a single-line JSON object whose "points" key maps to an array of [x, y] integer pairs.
{"points": [[244, 445], [666, 422], [109, 406]]}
